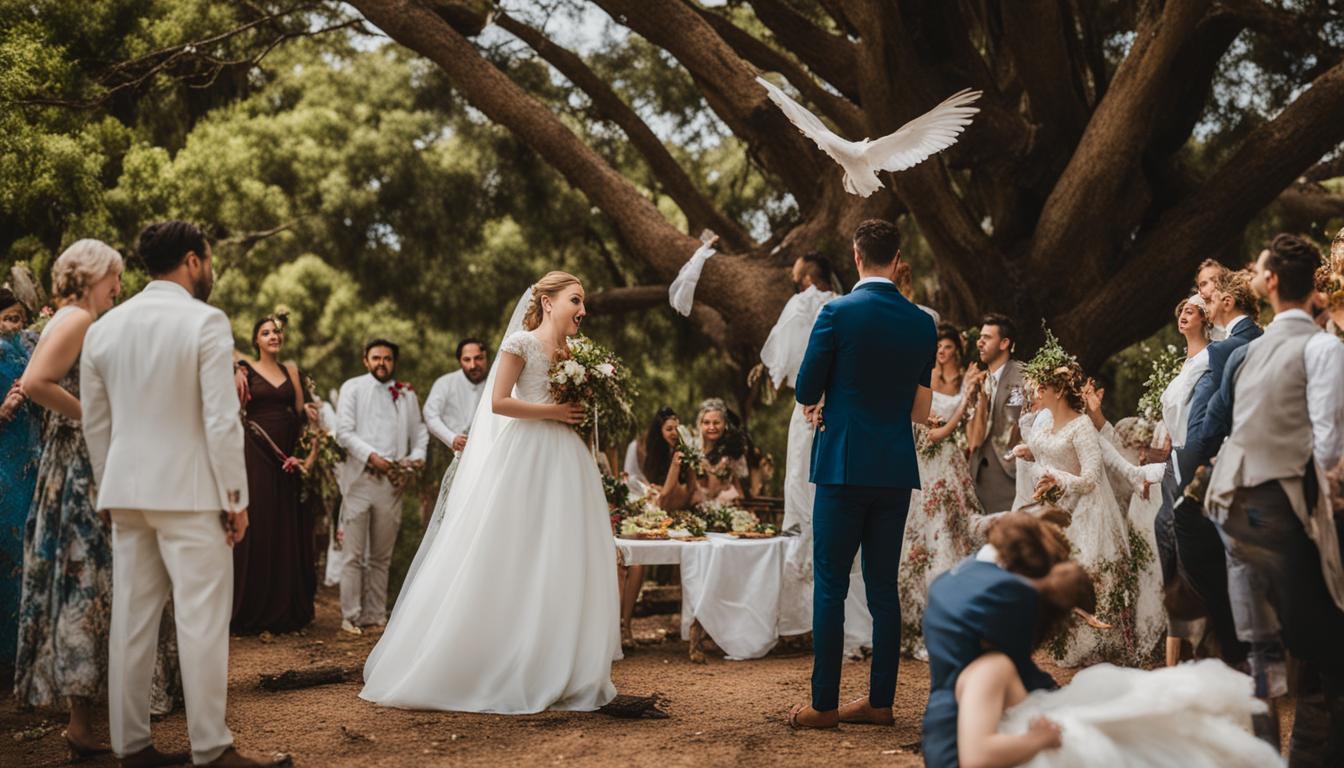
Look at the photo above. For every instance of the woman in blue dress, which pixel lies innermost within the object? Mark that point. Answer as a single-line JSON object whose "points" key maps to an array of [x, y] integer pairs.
{"points": [[19, 450]]}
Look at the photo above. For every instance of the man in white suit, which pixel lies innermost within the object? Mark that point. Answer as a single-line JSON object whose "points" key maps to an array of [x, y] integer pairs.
{"points": [[161, 422]]}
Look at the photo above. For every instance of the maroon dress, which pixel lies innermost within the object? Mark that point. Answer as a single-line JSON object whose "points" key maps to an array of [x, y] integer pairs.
{"points": [[274, 578]]}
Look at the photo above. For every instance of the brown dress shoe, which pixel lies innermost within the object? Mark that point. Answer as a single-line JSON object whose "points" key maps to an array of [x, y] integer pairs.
{"points": [[149, 757], [232, 758]]}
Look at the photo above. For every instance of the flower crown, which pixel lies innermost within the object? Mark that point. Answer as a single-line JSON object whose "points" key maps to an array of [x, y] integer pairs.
{"points": [[1053, 365], [1330, 275]]}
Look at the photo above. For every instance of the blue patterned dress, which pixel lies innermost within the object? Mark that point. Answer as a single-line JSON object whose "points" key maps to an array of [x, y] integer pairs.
{"points": [[19, 450], [66, 606]]}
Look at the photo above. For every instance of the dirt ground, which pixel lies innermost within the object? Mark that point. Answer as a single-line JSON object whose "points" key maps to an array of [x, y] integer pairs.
{"points": [[722, 713]]}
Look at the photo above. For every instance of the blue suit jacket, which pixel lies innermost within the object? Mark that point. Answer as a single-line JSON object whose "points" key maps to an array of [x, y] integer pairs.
{"points": [[1197, 435], [973, 605], [869, 353]]}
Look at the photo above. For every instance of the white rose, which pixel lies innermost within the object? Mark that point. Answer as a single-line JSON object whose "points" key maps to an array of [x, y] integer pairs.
{"points": [[607, 369]]}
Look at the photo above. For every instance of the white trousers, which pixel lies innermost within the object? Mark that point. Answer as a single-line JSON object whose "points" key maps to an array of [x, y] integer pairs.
{"points": [[155, 554], [370, 519]]}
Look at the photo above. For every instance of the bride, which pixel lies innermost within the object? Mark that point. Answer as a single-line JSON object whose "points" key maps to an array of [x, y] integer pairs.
{"points": [[513, 608]]}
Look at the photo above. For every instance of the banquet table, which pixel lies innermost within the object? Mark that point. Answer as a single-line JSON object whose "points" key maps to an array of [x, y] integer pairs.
{"points": [[730, 585]]}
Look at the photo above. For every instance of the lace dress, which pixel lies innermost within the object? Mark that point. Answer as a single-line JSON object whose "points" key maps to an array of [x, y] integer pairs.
{"points": [[514, 608], [1119, 559], [941, 529]]}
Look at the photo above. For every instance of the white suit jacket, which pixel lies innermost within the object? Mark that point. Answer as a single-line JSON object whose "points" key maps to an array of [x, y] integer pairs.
{"points": [[161, 414]]}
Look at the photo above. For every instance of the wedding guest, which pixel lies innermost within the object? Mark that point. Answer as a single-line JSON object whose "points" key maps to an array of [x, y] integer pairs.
{"points": [[678, 490], [1284, 572], [452, 400], [1201, 557], [990, 433], [378, 424], [19, 451], [274, 567], [1192, 320], [905, 283], [67, 554], [938, 529], [1210, 270], [171, 476], [724, 450]]}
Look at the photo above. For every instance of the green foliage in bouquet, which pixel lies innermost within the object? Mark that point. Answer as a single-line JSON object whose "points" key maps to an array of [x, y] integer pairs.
{"points": [[1165, 365], [594, 376], [692, 458]]}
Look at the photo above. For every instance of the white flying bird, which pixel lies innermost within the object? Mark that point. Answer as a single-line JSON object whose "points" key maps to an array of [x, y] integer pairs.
{"points": [[910, 145]]}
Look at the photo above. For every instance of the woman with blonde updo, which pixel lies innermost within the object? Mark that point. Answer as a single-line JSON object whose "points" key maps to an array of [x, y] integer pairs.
{"points": [[514, 608], [65, 608]]}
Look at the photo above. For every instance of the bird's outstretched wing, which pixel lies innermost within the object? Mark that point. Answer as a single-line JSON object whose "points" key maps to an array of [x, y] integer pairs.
{"points": [[927, 134], [808, 123]]}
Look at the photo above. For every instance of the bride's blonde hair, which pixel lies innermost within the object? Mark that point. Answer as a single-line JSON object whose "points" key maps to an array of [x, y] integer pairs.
{"points": [[550, 285]]}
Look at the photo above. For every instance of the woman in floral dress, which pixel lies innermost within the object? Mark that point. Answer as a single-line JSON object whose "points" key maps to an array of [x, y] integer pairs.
{"points": [[19, 450], [938, 530], [66, 603]]}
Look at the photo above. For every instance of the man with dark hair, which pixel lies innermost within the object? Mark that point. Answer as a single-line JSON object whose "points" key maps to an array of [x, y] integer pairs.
{"points": [[378, 424], [994, 429], [870, 356], [452, 400], [166, 446], [1265, 496], [811, 269]]}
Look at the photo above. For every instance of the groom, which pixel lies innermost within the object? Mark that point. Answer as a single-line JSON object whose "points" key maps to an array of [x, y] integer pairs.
{"points": [[166, 447], [871, 356]]}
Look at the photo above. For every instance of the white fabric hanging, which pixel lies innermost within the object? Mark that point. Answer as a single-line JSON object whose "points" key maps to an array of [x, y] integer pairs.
{"points": [[681, 293]]}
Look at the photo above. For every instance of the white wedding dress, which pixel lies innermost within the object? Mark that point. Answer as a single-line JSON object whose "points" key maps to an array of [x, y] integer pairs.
{"points": [[1119, 555], [514, 607], [1194, 715]]}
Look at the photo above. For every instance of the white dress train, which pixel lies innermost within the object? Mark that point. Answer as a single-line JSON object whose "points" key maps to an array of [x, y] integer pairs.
{"points": [[1195, 715], [514, 608]]}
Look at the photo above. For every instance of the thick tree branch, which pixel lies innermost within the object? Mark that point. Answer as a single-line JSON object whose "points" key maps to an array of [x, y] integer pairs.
{"points": [[616, 301], [843, 112], [1036, 36], [729, 87], [700, 212], [1103, 166], [1212, 217], [1326, 169], [829, 55], [729, 282]]}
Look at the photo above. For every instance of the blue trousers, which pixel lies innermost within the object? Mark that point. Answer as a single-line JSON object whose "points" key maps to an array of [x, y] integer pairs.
{"points": [[845, 518]]}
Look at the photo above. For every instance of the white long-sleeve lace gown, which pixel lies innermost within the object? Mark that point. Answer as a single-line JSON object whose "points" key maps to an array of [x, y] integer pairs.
{"points": [[1120, 561], [515, 607]]}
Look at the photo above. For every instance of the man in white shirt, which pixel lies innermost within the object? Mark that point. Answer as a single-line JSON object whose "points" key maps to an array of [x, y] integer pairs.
{"points": [[378, 424], [453, 398], [1266, 497]]}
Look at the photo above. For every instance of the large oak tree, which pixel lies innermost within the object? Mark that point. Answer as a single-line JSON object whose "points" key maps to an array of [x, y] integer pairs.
{"points": [[1119, 144]]}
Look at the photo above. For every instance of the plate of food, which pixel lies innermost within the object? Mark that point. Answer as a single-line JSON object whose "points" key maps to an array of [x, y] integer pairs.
{"points": [[755, 534], [645, 535]]}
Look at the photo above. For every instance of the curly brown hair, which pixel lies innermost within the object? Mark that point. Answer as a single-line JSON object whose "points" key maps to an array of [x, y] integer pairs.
{"points": [[1238, 285], [1069, 379], [1031, 544]]}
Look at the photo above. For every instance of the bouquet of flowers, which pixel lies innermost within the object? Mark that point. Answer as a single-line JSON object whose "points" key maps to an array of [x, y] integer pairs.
{"points": [[1165, 365], [595, 377], [726, 518], [692, 458], [1048, 491]]}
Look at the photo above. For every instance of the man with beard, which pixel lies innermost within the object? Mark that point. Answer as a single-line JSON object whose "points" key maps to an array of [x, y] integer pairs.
{"points": [[160, 417], [453, 399], [378, 424]]}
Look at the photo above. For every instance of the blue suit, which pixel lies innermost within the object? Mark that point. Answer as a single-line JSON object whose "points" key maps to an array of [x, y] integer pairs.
{"points": [[1201, 554], [869, 353], [972, 606]]}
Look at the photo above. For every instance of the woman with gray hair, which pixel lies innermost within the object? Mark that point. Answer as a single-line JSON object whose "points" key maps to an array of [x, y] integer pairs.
{"points": [[725, 451], [65, 607]]}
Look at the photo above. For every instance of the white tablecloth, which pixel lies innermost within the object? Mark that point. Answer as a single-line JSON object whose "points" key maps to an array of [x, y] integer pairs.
{"points": [[731, 585]]}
